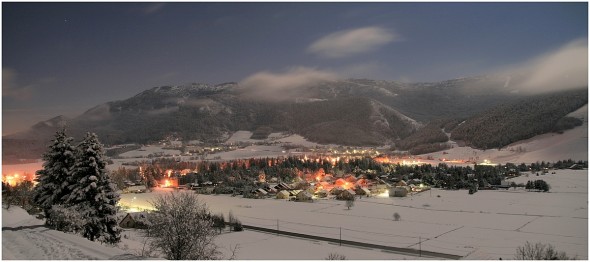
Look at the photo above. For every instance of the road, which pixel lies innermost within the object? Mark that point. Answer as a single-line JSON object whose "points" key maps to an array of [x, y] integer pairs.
{"points": [[397, 250]]}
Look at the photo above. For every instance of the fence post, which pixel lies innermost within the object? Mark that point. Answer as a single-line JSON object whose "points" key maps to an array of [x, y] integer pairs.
{"points": [[420, 244], [340, 236], [277, 227]]}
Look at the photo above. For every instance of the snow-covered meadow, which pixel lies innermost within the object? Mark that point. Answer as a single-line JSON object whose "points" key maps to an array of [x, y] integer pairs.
{"points": [[486, 225]]}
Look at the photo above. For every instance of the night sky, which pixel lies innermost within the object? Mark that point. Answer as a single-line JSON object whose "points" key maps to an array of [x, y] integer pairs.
{"points": [[64, 58]]}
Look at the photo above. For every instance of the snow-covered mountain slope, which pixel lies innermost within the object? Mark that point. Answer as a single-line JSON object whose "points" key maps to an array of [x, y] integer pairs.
{"points": [[572, 144]]}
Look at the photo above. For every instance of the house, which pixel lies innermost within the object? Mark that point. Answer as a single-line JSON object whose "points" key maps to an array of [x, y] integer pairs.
{"points": [[336, 190], [260, 192], [378, 188], [135, 189], [340, 182], [415, 181], [134, 220], [323, 185], [328, 178], [207, 190], [322, 193], [350, 178], [362, 182], [401, 191], [401, 183], [271, 191], [283, 186], [362, 191], [304, 196], [283, 194], [575, 167], [346, 195]]}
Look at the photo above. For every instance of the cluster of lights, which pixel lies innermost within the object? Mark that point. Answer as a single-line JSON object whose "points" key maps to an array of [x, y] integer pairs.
{"points": [[16, 179], [488, 163]]}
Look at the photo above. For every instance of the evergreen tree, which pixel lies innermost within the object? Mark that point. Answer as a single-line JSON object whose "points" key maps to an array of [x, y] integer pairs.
{"points": [[93, 193], [52, 187]]}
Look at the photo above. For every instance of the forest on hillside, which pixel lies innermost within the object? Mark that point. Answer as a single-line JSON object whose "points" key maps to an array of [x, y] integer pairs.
{"points": [[520, 120]]}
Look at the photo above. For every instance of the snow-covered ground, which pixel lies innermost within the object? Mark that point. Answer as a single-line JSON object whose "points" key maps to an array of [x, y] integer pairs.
{"points": [[35, 243], [149, 150], [40, 243], [486, 225], [255, 151]]}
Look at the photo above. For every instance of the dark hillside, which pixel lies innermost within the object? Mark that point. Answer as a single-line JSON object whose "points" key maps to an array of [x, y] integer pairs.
{"points": [[520, 120]]}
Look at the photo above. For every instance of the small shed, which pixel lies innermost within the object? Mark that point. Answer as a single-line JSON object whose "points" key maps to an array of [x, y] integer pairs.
{"points": [[363, 191], [346, 195], [260, 192], [399, 191], [283, 194], [378, 188], [336, 190], [322, 193], [304, 196], [294, 192], [134, 220]]}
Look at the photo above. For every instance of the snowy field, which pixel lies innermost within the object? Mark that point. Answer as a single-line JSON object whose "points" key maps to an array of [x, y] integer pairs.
{"points": [[40, 243], [486, 225], [145, 151], [256, 151]]}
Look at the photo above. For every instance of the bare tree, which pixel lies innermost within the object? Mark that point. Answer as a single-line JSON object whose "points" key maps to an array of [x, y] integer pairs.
{"points": [[336, 256], [349, 203], [539, 251], [182, 228]]}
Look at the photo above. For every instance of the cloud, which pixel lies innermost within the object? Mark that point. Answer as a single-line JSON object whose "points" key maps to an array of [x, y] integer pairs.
{"points": [[11, 89], [153, 8], [561, 69], [286, 85], [351, 42]]}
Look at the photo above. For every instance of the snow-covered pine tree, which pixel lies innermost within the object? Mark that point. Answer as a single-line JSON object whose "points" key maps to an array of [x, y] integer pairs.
{"points": [[93, 193], [52, 187]]}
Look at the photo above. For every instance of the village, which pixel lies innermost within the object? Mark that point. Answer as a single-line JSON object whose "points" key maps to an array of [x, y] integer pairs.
{"points": [[305, 179]]}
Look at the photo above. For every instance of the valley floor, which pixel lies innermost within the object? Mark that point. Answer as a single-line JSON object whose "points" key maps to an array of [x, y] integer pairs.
{"points": [[486, 225]]}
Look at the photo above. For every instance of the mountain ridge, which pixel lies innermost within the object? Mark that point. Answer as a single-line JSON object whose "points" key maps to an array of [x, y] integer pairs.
{"points": [[348, 112]]}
